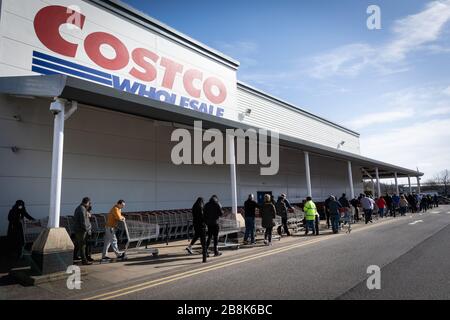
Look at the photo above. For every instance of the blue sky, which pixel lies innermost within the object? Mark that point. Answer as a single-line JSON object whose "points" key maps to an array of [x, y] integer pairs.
{"points": [[391, 85]]}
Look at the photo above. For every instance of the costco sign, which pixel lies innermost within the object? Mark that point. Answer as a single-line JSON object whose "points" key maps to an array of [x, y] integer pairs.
{"points": [[81, 40]]}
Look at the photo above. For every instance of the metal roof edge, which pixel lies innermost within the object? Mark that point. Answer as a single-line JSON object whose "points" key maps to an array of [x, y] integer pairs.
{"points": [[266, 95], [143, 19], [36, 86]]}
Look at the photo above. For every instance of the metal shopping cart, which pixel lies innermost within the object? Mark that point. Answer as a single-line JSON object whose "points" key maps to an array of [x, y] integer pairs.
{"points": [[346, 219], [137, 231], [32, 229]]}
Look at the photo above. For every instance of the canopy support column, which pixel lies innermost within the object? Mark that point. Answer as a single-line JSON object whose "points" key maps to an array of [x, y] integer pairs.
{"points": [[308, 175], [377, 175], [350, 179], [396, 183], [52, 251]]}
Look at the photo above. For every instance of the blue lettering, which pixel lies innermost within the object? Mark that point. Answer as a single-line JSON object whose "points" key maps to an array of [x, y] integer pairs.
{"points": [[125, 85], [203, 108], [147, 93], [169, 98], [219, 112], [184, 102], [194, 104]]}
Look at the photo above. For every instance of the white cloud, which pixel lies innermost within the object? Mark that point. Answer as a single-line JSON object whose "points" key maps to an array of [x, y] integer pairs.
{"points": [[423, 144], [347, 60], [446, 91], [387, 117], [414, 32], [438, 111], [398, 106]]}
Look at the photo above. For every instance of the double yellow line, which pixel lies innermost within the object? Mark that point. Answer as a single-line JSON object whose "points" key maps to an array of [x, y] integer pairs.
{"points": [[182, 275]]}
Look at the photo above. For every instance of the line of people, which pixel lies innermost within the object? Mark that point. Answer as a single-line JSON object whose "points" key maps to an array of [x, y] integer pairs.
{"points": [[206, 217], [383, 206]]}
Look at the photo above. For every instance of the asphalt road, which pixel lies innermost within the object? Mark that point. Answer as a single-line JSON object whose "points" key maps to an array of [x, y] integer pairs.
{"points": [[412, 252]]}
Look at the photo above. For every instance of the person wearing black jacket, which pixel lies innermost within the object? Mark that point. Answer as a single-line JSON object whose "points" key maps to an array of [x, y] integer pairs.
{"points": [[281, 209], [212, 212], [268, 214], [82, 228], [355, 203], [344, 201], [327, 211], [15, 235], [198, 222], [250, 206], [389, 205]]}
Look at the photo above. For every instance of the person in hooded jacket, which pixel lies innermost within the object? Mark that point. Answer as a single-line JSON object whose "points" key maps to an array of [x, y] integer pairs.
{"points": [[212, 212], [281, 209], [199, 227], [268, 214], [15, 235]]}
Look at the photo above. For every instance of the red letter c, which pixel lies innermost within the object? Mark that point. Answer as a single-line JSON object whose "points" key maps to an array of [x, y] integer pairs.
{"points": [[46, 25]]}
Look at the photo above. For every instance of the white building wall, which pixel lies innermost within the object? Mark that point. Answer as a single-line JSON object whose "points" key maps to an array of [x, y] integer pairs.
{"points": [[110, 155], [270, 114], [328, 176]]}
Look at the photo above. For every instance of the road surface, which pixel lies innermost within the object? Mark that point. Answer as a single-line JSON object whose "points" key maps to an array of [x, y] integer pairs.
{"points": [[412, 253]]}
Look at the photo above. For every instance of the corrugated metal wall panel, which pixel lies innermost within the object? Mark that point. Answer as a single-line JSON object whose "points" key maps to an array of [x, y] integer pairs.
{"points": [[275, 116]]}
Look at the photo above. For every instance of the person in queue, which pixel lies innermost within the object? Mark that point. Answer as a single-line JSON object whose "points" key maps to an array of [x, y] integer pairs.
{"points": [[326, 207], [212, 212], [282, 209], [15, 235], [355, 203], [82, 227], [250, 206], [367, 204], [113, 219], [403, 204], [198, 222], [268, 214], [310, 215], [381, 204], [334, 206]]}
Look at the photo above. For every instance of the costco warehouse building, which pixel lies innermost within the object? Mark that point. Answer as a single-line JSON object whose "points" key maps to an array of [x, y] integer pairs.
{"points": [[127, 81]]}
